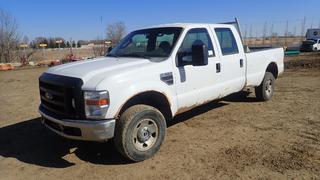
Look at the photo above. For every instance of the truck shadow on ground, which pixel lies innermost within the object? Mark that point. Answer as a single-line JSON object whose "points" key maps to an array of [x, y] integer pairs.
{"points": [[242, 96], [30, 142], [195, 112], [236, 97]]}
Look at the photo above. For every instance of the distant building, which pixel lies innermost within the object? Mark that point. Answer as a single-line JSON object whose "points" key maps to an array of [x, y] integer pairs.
{"points": [[93, 43]]}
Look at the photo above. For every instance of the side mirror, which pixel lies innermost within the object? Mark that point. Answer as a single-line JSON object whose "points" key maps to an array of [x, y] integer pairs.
{"points": [[109, 49], [199, 54], [197, 57]]}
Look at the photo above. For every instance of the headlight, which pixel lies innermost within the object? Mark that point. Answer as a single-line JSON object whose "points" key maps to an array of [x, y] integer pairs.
{"points": [[96, 104]]}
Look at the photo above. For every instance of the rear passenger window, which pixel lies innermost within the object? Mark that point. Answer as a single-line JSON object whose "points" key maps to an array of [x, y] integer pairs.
{"points": [[227, 41], [197, 34]]}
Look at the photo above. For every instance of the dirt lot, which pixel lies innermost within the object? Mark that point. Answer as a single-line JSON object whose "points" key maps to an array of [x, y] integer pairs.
{"points": [[236, 137]]}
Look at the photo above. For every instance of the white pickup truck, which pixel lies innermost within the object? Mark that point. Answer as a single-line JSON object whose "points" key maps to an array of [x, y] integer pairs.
{"points": [[152, 75]]}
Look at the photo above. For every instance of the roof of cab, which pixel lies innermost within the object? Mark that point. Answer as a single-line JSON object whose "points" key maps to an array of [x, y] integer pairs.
{"points": [[187, 25]]}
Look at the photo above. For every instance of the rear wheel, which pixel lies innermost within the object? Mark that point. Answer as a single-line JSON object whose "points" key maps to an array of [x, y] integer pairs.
{"points": [[265, 90], [140, 132]]}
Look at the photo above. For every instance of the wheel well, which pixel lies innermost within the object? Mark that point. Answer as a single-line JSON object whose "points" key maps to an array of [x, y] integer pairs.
{"points": [[273, 68], [151, 98]]}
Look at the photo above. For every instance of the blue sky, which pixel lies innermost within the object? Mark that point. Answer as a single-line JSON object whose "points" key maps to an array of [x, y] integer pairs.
{"points": [[80, 19]]}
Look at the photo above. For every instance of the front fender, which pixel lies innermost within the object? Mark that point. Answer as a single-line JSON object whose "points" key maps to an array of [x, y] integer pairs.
{"points": [[119, 96]]}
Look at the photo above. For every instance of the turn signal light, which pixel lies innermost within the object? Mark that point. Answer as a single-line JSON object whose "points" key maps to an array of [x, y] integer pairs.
{"points": [[97, 102]]}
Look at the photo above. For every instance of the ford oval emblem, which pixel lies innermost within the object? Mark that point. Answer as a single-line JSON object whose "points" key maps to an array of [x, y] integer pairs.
{"points": [[49, 96]]}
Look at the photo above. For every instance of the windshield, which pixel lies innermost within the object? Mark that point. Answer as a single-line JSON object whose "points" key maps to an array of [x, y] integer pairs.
{"points": [[148, 43]]}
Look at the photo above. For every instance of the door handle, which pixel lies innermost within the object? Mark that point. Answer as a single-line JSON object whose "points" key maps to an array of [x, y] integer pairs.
{"points": [[218, 67], [241, 63]]}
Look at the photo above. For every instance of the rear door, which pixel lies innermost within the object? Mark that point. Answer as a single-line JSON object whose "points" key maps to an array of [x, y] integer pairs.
{"points": [[232, 60]]}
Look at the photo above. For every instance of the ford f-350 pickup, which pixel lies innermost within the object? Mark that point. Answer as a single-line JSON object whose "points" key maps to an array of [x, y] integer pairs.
{"points": [[152, 75]]}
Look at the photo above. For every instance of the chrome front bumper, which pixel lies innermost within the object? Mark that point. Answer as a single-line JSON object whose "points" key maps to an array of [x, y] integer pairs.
{"points": [[88, 130]]}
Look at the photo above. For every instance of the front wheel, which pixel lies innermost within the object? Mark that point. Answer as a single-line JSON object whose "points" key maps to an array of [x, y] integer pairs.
{"points": [[265, 90], [140, 132]]}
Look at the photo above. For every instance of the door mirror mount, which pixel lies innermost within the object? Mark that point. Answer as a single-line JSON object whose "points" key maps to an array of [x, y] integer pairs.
{"points": [[109, 49]]}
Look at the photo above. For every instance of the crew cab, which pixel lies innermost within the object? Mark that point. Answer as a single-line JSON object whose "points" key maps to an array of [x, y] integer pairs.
{"points": [[152, 75]]}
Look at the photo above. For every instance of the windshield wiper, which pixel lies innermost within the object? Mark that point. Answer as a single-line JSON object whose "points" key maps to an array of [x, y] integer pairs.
{"points": [[135, 55]]}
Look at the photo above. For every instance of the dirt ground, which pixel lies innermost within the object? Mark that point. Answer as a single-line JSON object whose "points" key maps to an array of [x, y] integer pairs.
{"points": [[235, 138]]}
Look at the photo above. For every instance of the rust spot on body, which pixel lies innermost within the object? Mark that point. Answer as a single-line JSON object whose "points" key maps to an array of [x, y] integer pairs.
{"points": [[187, 108], [118, 113]]}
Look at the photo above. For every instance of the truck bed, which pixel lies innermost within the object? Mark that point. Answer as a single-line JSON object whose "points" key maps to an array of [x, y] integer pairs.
{"points": [[264, 57], [260, 48]]}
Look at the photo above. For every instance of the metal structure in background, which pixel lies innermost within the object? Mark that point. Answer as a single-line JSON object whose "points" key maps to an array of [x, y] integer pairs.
{"points": [[59, 42], [43, 46], [236, 24]]}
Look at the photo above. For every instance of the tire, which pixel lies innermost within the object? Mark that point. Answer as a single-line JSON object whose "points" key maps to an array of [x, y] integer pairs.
{"points": [[265, 90], [140, 132]]}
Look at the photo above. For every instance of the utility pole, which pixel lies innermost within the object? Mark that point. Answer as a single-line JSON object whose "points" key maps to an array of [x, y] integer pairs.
{"points": [[303, 26], [265, 27], [250, 34], [286, 33], [102, 31], [245, 34], [245, 31], [43, 46], [271, 34], [71, 46]]}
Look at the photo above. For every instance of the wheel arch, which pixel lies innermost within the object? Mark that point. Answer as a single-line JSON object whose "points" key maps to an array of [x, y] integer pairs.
{"points": [[152, 98], [273, 68]]}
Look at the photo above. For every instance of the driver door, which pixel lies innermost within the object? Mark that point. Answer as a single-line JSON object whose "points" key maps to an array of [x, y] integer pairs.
{"points": [[196, 84]]}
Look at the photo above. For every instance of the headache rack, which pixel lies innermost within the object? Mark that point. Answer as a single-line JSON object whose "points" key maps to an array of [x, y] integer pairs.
{"points": [[236, 24]]}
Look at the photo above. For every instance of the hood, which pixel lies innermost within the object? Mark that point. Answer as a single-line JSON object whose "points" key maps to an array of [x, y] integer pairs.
{"points": [[94, 71]]}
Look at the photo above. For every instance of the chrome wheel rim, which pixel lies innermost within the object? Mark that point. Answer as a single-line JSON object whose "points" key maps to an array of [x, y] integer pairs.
{"points": [[145, 134], [268, 88]]}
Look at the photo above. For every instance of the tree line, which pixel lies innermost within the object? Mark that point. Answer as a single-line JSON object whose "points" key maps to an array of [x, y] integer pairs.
{"points": [[11, 41], [53, 43]]}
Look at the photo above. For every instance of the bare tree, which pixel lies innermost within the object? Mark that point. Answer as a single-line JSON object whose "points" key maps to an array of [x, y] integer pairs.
{"points": [[99, 48], [115, 32], [9, 37]]}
